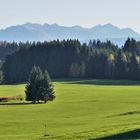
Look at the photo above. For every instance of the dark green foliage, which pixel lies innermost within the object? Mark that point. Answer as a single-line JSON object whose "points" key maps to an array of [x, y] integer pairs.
{"points": [[69, 58], [33, 86], [121, 65], [7, 48], [39, 86], [134, 67], [132, 46], [77, 70], [47, 89], [1, 73], [1, 77]]}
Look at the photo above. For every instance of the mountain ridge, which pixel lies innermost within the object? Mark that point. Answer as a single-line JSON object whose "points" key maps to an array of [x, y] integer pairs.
{"points": [[47, 32]]}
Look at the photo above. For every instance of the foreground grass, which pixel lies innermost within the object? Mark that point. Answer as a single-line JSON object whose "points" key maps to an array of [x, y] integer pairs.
{"points": [[83, 109]]}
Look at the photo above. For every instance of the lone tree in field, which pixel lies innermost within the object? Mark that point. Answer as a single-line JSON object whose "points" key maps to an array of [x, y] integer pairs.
{"points": [[39, 86]]}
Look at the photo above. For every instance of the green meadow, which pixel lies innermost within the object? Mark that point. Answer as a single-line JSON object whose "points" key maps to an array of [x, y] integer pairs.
{"points": [[83, 110]]}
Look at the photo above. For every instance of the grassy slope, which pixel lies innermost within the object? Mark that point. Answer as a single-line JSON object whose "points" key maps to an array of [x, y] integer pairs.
{"points": [[84, 109], [11, 90]]}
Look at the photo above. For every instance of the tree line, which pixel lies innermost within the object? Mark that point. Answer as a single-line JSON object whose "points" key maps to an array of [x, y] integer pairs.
{"points": [[7, 48], [70, 58]]}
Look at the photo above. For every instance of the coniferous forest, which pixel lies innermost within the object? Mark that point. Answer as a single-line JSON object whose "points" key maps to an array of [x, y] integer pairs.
{"points": [[71, 59]]}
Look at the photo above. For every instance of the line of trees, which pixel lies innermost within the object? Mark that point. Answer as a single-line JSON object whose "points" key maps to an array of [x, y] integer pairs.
{"points": [[70, 58], [7, 48]]}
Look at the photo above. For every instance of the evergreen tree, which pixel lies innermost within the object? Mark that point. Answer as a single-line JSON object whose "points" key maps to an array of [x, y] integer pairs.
{"points": [[33, 87], [47, 88], [132, 46], [134, 67], [39, 86], [121, 64]]}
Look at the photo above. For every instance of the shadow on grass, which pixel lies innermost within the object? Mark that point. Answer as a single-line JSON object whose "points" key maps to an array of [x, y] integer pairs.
{"points": [[130, 135], [125, 114], [102, 82], [94, 81], [14, 104]]}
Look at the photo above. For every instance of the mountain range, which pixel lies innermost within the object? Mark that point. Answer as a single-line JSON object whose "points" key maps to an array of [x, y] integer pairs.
{"points": [[47, 32]]}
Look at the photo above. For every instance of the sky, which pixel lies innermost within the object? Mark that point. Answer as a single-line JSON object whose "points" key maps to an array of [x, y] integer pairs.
{"points": [[86, 13]]}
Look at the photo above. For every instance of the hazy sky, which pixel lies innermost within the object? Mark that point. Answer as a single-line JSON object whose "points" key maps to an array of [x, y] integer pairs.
{"points": [[87, 13]]}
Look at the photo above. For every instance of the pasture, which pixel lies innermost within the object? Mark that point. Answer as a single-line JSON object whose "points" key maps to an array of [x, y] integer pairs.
{"points": [[83, 110]]}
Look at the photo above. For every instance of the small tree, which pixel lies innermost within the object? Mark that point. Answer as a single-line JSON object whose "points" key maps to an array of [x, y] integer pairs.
{"points": [[33, 87], [39, 86], [47, 88]]}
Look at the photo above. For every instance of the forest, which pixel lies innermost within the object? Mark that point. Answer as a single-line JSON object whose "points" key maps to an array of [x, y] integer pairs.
{"points": [[71, 59]]}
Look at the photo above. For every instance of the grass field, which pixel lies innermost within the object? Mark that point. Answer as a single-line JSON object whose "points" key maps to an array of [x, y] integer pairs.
{"points": [[83, 110]]}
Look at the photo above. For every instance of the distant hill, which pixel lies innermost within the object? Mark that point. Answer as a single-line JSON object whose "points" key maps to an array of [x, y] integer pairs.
{"points": [[38, 32]]}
